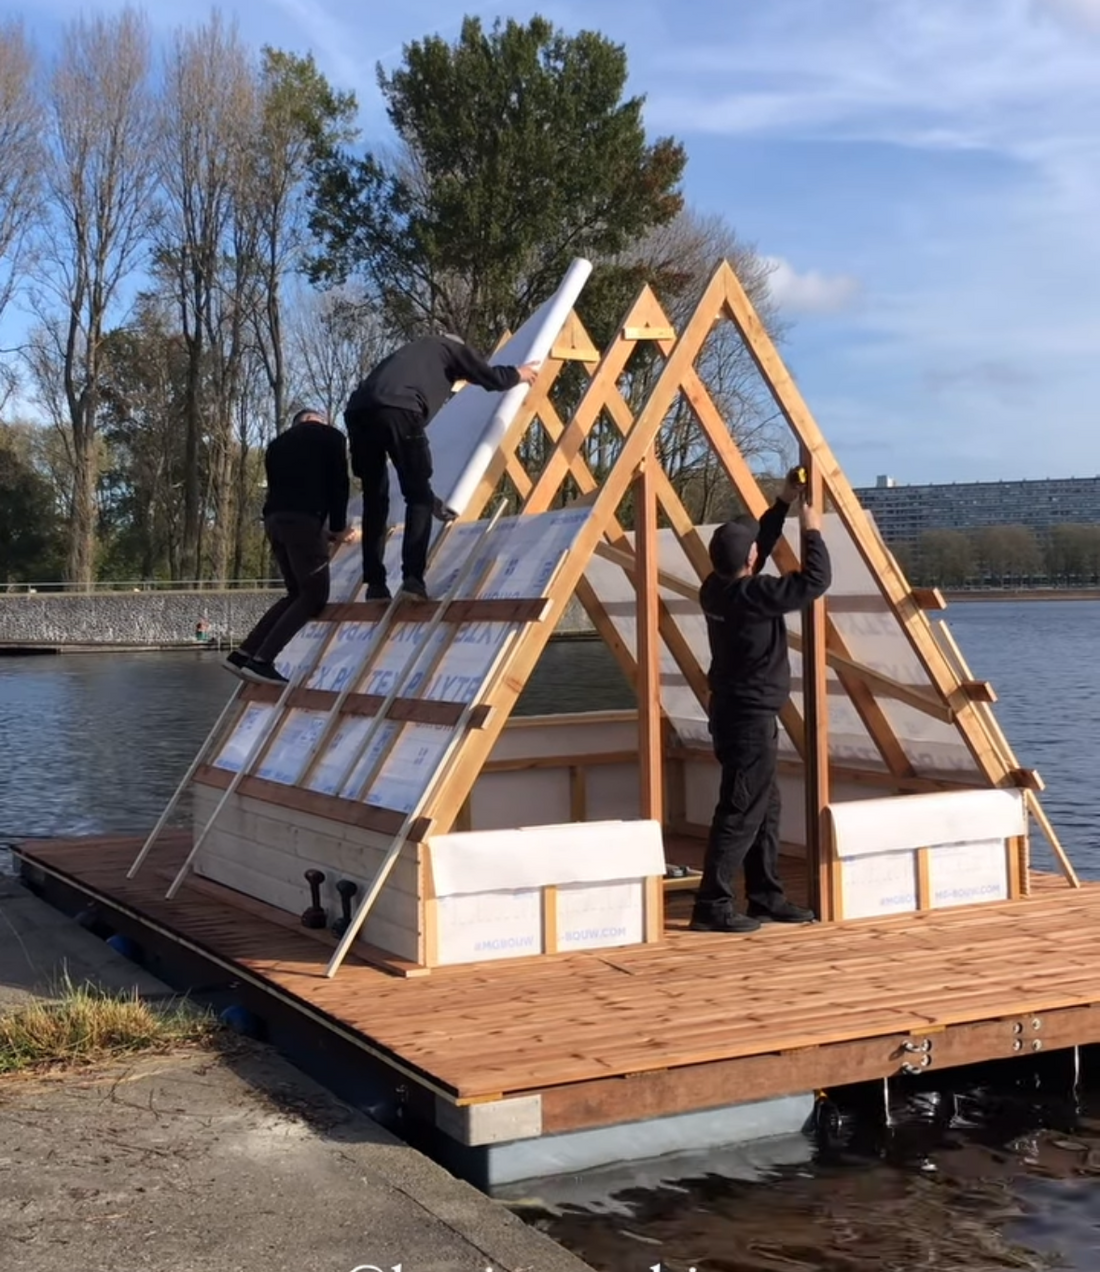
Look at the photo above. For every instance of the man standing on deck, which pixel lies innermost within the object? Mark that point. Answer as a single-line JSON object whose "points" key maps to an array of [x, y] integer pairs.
{"points": [[386, 418], [305, 518], [749, 681]]}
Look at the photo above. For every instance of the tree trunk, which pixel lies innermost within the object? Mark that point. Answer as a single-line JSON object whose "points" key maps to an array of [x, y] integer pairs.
{"points": [[192, 501], [222, 481], [80, 565], [241, 531]]}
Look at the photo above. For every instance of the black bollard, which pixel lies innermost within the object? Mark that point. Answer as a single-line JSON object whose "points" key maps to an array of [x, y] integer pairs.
{"points": [[315, 916], [347, 889]]}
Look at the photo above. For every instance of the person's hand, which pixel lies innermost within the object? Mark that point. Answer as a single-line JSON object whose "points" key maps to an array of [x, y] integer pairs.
{"points": [[337, 538], [528, 373], [809, 518], [793, 489]]}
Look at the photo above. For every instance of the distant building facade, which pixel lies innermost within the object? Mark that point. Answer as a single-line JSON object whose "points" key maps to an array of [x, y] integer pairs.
{"points": [[904, 513]]}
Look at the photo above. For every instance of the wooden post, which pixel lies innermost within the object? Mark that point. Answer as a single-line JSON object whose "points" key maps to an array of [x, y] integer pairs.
{"points": [[815, 714], [650, 749]]}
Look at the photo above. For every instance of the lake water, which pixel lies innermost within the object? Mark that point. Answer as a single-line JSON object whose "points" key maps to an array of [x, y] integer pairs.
{"points": [[969, 1179]]}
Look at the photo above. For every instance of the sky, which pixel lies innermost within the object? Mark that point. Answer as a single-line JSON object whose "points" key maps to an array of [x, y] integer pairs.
{"points": [[924, 176]]}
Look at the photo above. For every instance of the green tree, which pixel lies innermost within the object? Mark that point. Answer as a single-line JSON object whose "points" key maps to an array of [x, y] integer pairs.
{"points": [[30, 527], [946, 557], [1073, 553], [518, 152], [1008, 552], [144, 412]]}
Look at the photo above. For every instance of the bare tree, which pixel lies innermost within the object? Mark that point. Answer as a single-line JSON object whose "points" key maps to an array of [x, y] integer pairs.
{"points": [[301, 120], [100, 184], [334, 341], [204, 254], [21, 160]]}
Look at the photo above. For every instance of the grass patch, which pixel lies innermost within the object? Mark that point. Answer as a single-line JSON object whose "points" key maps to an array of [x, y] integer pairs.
{"points": [[84, 1025]]}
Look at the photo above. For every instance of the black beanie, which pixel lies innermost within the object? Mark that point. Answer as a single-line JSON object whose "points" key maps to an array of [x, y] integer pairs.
{"points": [[731, 543]]}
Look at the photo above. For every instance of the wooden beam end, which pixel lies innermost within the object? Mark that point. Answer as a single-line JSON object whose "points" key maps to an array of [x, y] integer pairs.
{"points": [[1027, 779], [929, 598], [979, 691]]}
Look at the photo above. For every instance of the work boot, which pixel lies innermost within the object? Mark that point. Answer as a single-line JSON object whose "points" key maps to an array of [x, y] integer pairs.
{"points": [[378, 592], [782, 911], [729, 922], [414, 589]]}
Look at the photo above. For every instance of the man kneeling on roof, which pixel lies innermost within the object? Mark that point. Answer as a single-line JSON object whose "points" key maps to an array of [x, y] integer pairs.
{"points": [[750, 680]]}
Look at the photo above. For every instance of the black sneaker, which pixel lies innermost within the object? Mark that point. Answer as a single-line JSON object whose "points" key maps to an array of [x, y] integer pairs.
{"points": [[378, 592], [724, 923], [236, 661], [782, 912], [263, 673], [414, 589]]}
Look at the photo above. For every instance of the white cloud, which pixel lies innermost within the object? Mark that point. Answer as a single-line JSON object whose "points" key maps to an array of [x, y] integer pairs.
{"points": [[811, 292], [1079, 13]]}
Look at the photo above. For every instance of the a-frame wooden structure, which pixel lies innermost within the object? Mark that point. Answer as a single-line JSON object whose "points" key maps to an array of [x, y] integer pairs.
{"points": [[653, 630]]}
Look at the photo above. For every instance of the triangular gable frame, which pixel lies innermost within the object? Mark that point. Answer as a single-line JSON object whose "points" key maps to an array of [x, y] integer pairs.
{"points": [[956, 696]]}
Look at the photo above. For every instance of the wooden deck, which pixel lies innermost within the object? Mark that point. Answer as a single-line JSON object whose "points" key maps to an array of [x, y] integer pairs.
{"points": [[697, 1022]]}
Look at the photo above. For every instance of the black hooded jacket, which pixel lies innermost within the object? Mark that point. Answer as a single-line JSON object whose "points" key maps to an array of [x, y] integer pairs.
{"points": [[750, 672]]}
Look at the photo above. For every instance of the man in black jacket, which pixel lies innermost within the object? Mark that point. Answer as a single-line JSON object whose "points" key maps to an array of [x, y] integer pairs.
{"points": [[305, 518], [386, 418], [750, 679]]}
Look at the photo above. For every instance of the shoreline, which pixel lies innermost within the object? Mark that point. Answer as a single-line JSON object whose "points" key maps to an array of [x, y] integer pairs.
{"points": [[1022, 594]]}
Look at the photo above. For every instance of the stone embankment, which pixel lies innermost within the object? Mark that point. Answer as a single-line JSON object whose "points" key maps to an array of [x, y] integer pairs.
{"points": [[149, 620]]}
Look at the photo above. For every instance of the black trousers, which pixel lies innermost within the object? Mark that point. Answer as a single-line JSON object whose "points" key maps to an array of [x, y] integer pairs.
{"points": [[301, 550], [375, 436], [745, 828]]}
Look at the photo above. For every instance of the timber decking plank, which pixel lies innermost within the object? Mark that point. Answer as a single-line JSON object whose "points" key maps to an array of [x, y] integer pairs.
{"points": [[531, 1024]]}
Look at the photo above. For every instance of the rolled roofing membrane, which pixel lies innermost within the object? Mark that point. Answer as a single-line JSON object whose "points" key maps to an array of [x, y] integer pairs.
{"points": [[470, 428]]}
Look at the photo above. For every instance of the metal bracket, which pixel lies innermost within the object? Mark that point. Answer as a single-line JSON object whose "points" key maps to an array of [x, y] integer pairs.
{"points": [[922, 1049], [1019, 1029]]}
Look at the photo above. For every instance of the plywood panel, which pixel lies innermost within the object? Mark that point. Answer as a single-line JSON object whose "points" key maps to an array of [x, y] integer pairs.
{"points": [[611, 792], [289, 825], [525, 797]]}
